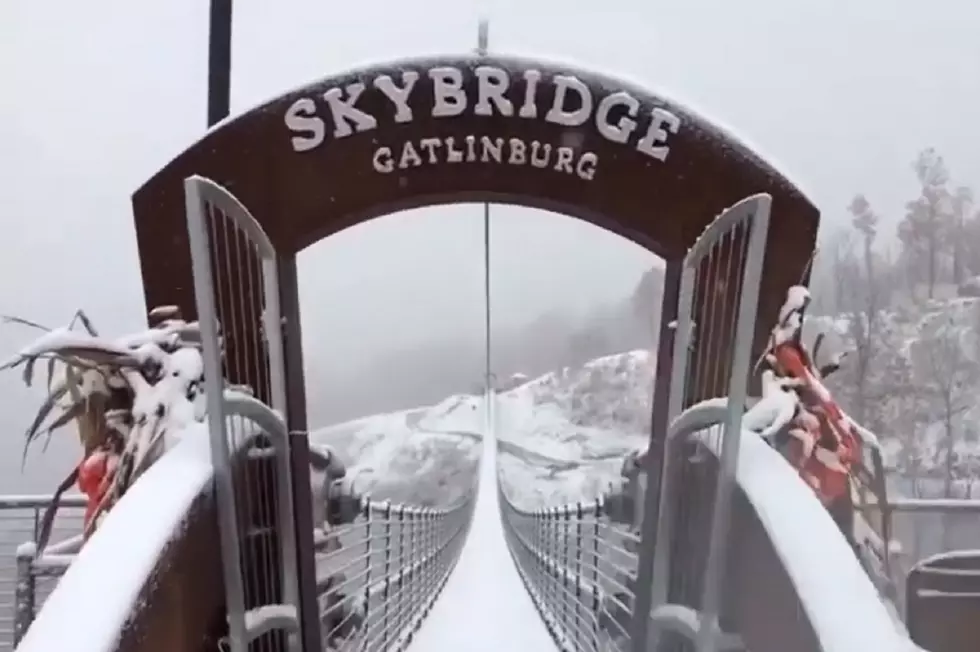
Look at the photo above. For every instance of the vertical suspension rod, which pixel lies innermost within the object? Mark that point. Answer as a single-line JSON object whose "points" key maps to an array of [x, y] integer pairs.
{"points": [[481, 49]]}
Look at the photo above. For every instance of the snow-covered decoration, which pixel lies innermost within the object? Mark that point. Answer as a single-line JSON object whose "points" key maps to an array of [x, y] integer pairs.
{"points": [[128, 396], [777, 408], [819, 440]]}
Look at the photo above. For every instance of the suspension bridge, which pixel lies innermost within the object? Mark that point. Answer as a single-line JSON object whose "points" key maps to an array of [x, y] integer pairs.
{"points": [[483, 573], [216, 545]]}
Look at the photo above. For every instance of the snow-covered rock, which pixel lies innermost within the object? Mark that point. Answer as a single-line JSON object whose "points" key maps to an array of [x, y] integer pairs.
{"points": [[562, 437]]}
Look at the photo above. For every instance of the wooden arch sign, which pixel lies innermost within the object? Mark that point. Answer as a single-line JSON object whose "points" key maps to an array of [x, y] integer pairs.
{"points": [[479, 128]]}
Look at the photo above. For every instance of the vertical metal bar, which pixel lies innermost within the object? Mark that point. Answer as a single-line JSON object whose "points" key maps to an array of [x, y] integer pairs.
{"points": [[299, 453], [566, 529], [578, 565], [386, 591], [219, 61], [368, 553], [214, 387], [272, 328], [25, 592], [596, 593], [737, 385], [656, 457]]}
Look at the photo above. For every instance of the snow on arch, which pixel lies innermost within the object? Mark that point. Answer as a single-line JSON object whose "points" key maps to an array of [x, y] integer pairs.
{"points": [[706, 118]]}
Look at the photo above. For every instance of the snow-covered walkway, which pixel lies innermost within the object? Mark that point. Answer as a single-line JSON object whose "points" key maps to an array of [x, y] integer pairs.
{"points": [[484, 605]]}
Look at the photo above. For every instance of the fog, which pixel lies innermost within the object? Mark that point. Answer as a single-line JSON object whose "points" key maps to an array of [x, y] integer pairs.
{"points": [[97, 95]]}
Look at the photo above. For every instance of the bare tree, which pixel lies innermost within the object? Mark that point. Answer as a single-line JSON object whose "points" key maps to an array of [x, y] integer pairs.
{"points": [[950, 372], [831, 273], [858, 279], [961, 203], [924, 231]]}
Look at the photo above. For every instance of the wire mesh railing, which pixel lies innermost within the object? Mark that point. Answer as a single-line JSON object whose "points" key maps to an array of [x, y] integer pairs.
{"points": [[579, 561], [579, 568], [379, 575]]}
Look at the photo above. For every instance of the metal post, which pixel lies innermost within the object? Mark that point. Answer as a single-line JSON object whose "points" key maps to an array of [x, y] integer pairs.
{"points": [[219, 62], [386, 592], [482, 40], [656, 451], [25, 591]]}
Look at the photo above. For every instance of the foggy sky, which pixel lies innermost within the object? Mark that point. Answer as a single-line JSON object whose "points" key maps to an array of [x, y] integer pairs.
{"points": [[97, 95]]}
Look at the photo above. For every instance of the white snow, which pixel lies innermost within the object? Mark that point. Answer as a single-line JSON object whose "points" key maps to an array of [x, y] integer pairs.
{"points": [[27, 549], [837, 595], [484, 606], [154, 507], [268, 617]]}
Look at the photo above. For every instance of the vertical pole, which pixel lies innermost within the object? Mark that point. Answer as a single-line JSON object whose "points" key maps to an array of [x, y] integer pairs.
{"points": [[656, 450], [482, 39], [219, 61], [299, 453]]}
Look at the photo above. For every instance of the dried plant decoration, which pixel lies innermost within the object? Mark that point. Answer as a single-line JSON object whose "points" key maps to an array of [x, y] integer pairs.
{"points": [[128, 397]]}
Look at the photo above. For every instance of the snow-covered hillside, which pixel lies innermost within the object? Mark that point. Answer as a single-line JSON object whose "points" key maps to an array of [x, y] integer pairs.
{"points": [[562, 437], [923, 361]]}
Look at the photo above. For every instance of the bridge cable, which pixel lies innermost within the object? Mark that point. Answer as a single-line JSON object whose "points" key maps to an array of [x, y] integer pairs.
{"points": [[481, 50]]}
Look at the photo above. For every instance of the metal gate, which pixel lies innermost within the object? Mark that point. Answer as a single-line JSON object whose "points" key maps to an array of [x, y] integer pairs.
{"points": [[237, 294], [715, 328]]}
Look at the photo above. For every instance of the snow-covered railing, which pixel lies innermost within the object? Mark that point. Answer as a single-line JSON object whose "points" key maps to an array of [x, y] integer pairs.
{"points": [[378, 576], [157, 548], [577, 566], [24, 585], [789, 561], [794, 582]]}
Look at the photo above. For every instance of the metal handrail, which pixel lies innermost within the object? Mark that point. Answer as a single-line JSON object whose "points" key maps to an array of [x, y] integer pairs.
{"points": [[380, 605], [579, 564], [378, 576]]}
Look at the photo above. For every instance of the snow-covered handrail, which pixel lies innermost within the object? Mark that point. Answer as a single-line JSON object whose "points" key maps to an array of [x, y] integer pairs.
{"points": [[573, 568], [579, 566], [378, 575], [833, 590], [159, 507]]}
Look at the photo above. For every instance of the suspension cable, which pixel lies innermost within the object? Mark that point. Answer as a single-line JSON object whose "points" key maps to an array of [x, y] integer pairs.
{"points": [[481, 50]]}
